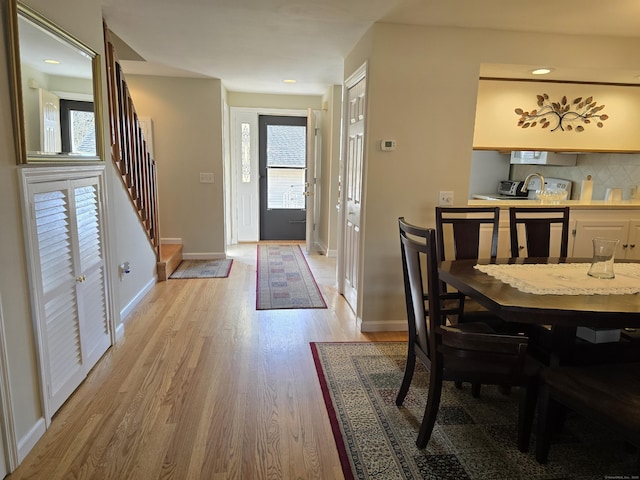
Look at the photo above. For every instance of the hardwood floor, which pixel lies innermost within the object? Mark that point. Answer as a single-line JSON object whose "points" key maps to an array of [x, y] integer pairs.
{"points": [[204, 386]]}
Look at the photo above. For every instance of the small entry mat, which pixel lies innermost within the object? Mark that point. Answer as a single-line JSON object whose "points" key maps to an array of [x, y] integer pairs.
{"points": [[218, 268]]}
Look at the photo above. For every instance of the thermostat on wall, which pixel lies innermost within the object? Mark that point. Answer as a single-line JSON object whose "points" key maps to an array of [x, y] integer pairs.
{"points": [[387, 145]]}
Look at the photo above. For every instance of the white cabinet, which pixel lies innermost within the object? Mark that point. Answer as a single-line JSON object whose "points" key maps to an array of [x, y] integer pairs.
{"points": [[624, 229], [64, 230]]}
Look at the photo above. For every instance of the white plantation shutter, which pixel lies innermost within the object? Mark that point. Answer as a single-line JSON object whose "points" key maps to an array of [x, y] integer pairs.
{"points": [[94, 325], [68, 273], [59, 322]]}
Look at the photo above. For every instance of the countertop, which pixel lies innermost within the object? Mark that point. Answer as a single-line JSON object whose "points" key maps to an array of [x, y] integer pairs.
{"points": [[573, 204]]}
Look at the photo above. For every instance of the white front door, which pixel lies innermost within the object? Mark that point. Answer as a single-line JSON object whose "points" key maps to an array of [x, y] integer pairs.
{"points": [[352, 191], [244, 225]]}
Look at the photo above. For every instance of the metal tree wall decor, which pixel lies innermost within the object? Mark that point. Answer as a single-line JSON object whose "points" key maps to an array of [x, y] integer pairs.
{"points": [[563, 114]]}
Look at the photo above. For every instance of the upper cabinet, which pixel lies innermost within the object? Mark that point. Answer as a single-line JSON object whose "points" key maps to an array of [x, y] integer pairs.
{"points": [[556, 116], [56, 89]]}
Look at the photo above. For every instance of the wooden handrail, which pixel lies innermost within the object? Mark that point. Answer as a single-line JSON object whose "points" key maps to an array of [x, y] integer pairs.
{"points": [[129, 150]]}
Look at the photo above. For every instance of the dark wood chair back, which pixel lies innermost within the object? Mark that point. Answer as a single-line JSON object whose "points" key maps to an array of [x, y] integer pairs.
{"points": [[419, 264], [470, 352], [465, 223], [537, 222]]}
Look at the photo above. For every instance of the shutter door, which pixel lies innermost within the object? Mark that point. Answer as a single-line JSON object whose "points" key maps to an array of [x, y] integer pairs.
{"points": [[92, 300], [58, 318]]}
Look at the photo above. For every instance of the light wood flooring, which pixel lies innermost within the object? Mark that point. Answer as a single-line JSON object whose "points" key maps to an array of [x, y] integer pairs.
{"points": [[204, 386]]}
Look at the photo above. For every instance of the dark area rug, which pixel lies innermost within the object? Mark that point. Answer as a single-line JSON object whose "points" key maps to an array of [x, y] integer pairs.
{"points": [[284, 279], [474, 438], [219, 268]]}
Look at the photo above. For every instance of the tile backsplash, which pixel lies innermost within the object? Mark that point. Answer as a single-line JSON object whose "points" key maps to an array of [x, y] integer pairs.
{"points": [[606, 169]]}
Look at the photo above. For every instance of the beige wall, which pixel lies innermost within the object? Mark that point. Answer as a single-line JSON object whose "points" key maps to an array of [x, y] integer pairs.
{"points": [[327, 229], [422, 92], [258, 100], [187, 124]]}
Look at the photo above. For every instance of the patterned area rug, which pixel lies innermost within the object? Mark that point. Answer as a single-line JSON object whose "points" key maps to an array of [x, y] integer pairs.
{"points": [[203, 268], [284, 279], [474, 438]]}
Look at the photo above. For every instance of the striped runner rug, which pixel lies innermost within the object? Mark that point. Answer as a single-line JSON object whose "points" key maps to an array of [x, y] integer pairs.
{"points": [[284, 279]]}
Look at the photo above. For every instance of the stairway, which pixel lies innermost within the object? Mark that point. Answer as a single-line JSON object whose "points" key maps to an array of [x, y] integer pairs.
{"points": [[170, 258]]}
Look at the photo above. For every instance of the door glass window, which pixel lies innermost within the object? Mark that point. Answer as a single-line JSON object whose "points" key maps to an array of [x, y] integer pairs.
{"points": [[286, 161], [245, 160]]}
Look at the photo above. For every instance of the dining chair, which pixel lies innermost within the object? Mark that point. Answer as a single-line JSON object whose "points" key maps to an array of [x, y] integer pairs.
{"points": [[537, 223], [469, 352], [461, 229], [465, 231], [606, 394]]}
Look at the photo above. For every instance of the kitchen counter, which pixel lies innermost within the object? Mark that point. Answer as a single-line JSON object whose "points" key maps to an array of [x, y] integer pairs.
{"points": [[573, 204]]}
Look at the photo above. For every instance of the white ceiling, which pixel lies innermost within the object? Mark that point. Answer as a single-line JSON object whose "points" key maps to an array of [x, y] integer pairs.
{"points": [[253, 45]]}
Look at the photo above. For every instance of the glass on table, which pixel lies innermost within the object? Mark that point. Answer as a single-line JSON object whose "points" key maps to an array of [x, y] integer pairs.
{"points": [[604, 250]]}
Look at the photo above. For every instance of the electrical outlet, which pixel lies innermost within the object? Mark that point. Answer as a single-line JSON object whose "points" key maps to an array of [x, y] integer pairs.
{"points": [[445, 198], [206, 178]]}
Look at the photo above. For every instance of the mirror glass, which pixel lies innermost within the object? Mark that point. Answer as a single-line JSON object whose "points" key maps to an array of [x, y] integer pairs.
{"points": [[57, 96]]}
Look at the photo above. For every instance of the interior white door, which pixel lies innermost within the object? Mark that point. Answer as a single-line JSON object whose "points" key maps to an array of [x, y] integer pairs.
{"points": [[73, 327], [353, 190], [56, 287], [92, 301], [310, 184], [50, 130]]}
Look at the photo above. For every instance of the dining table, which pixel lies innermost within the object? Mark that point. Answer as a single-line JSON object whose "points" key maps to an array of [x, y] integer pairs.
{"points": [[554, 292]]}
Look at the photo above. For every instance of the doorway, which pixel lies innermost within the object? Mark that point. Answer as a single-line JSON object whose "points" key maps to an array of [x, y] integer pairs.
{"points": [[282, 170]]}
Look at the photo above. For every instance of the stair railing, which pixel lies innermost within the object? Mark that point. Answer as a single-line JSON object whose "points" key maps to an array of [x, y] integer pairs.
{"points": [[129, 151]]}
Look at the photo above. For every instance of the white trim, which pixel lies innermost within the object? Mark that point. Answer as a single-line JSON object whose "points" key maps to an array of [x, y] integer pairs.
{"points": [[128, 308], [26, 443], [6, 403], [170, 241], [384, 326], [119, 331], [204, 255]]}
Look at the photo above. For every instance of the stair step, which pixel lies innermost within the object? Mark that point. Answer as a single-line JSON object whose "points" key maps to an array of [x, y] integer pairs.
{"points": [[170, 258]]}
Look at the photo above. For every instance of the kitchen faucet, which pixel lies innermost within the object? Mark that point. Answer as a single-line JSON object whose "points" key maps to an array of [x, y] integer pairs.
{"points": [[527, 181]]}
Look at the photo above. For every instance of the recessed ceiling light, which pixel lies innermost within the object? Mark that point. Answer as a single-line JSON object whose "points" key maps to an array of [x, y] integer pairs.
{"points": [[289, 81], [542, 71], [51, 61]]}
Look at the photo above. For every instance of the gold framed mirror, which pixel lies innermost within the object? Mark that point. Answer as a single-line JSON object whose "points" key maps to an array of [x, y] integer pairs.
{"points": [[56, 89]]}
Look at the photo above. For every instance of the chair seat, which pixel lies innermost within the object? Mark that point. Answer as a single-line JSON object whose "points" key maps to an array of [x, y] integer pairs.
{"points": [[475, 313]]}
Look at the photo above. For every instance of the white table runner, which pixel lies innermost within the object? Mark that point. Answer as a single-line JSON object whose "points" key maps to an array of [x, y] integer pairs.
{"points": [[566, 278]]}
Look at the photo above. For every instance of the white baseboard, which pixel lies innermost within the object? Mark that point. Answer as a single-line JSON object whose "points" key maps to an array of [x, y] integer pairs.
{"points": [[119, 331], [170, 241], [26, 443], [327, 251], [384, 326], [203, 256], [136, 300]]}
